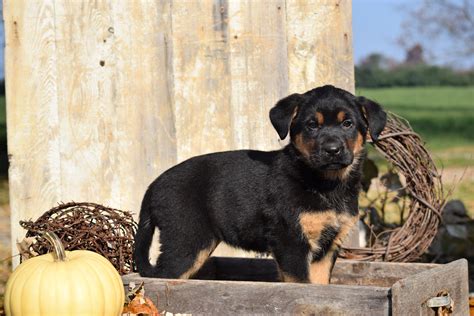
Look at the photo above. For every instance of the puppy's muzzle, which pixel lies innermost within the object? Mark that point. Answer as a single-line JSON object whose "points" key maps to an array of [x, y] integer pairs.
{"points": [[334, 155], [333, 148]]}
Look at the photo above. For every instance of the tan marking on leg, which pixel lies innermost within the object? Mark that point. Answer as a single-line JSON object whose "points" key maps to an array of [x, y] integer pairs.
{"points": [[340, 116], [319, 118], [320, 271], [289, 278], [285, 277], [199, 261], [312, 224]]}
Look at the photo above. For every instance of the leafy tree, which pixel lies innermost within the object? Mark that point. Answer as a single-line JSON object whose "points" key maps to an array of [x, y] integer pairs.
{"points": [[433, 22]]}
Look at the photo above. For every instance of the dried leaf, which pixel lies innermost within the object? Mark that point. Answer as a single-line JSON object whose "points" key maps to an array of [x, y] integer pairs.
{"points": [[24, 247]]}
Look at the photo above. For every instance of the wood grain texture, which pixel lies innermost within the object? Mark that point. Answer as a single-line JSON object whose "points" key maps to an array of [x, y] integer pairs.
{"points": [[319, 44], [201, 76], [32, 114], [258, 69], [410, 294], [89, 90], [115, 101], [346, 272], [357, 288], [228, 297]]}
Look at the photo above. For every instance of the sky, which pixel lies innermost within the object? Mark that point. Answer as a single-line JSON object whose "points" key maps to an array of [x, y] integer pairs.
{"points": [[376, 27]]}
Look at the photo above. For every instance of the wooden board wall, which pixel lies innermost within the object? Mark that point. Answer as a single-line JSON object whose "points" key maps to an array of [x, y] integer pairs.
{"points": [[103, 96]]}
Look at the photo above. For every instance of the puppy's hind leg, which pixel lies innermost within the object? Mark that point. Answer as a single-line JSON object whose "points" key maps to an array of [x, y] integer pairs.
{"points": [[143, 241], [182, 257]]}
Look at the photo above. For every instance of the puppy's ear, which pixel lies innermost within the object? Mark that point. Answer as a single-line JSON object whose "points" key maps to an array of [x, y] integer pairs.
{"points": [[375, 116], [283, 112]]}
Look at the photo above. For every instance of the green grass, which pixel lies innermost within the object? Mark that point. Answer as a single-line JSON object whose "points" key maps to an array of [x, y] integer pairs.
{"points": [[443, 116]]}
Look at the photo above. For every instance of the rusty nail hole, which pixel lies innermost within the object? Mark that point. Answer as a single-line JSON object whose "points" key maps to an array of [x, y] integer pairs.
{"points": [[236, 37], [102, 63], [279, 8]]}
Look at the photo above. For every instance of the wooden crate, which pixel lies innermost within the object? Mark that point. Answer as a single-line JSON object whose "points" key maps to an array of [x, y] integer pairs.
{"points": [[248, 286]]}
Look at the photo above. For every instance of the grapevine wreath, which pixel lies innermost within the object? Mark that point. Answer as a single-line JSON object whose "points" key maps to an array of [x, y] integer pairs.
{"points": [[404, 150], [86, 226]]}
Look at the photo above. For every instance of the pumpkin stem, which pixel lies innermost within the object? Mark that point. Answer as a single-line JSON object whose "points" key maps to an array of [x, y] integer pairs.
{"points": [[59, 253]]}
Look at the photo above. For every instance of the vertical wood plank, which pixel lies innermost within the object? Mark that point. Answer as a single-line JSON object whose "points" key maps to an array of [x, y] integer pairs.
{"points": [[320, 44], [89, 91], [410, 295], [258, 69], [87, 106], [115, 107], [201, 77], [32, 114], [146, 132]]}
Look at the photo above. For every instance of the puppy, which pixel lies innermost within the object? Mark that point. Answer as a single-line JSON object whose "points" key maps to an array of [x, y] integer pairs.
{"points": [[297, 203]]}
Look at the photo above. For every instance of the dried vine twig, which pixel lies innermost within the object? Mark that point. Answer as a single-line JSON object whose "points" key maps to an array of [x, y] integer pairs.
{"points": [[88, 226], [404, 149]]}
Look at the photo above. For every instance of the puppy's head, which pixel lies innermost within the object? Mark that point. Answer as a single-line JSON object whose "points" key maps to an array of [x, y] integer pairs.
{"points": [[328, 126]]}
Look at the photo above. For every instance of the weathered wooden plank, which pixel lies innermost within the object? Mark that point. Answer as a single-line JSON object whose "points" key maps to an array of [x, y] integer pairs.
{"points": [[110, 150], [32, 115], [355, 290], [226, 297], [201, 75], [89, 90], [345, 271], [410, 294], [117, 125], [146, 136], [319, 44], [258, 69], [85, 97], [375, 273]]}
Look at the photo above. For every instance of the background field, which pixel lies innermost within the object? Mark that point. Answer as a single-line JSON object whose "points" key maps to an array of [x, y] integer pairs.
{"points": [[444, 117]]}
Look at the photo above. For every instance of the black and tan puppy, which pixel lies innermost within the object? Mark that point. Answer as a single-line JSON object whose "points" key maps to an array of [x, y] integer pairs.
{"points": [[298, 203]]}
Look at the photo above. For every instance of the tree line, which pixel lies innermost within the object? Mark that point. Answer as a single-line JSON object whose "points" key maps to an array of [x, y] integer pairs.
{"points": [[410, 76], [377, 70]]}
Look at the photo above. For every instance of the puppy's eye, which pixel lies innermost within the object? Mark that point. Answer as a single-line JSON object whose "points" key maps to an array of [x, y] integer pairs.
{"points": [[312, 125], [347, 124]]}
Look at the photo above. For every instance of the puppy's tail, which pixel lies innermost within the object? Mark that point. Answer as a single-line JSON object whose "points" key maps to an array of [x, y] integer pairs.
{"points": [[143, 239]]}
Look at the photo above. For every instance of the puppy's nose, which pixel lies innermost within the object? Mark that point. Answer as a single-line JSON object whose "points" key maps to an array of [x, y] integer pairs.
{"points": [[332, 148]]}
